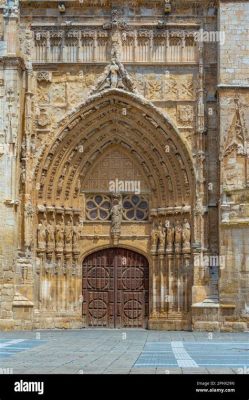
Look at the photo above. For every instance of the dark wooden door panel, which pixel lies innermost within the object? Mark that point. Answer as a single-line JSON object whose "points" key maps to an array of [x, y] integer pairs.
{"points": [[133, 311], [99, 309], [116, 289]]}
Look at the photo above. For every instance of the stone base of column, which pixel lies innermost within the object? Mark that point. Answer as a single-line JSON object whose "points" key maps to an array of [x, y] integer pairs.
{"points": [[166, 324], [7, 324], [205, 315]]}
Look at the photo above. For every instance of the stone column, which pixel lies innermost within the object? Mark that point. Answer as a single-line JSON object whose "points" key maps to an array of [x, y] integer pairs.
{"points": [[153, 287], [170, 296], [161, 283], [10, 128]]}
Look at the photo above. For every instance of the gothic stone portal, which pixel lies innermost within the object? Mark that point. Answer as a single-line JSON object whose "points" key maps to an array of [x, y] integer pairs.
{"points": [[128, 92], [107, 181]]}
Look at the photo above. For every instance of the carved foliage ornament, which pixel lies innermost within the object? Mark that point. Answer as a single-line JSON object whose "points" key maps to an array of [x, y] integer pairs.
{"points": [[44, 76]]}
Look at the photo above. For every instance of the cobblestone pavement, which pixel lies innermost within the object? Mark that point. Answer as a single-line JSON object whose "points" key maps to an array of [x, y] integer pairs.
{"points": [[100, 351]]}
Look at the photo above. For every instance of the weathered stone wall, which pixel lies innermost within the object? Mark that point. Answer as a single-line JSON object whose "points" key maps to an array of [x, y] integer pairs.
{"points": [[234, 146], [11, 108], [234, 63]]}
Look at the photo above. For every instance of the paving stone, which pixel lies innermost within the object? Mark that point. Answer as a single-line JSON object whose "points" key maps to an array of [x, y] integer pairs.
{"points": [[60, 353], [168, 371], [142, 371], [220, 370]]}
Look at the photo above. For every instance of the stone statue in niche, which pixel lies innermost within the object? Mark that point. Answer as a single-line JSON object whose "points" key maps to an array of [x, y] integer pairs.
{"points": [[59, 236], [170, 237], [178, 236], [60, 185], [186, 234], [154, 238], [77, 188], [23, 175], [43, 179], [28, 213], [76, 237], [116, 215], [51, 236], [162, 237], [42, 234], [68, 236]]}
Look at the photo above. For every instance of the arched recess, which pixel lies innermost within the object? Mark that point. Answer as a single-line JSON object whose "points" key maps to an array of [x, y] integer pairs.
{"points": [[115, 117], [116, 121]]}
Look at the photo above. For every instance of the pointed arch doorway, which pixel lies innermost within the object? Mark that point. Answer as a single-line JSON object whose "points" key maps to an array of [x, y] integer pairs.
{"points": [[116, 289]]}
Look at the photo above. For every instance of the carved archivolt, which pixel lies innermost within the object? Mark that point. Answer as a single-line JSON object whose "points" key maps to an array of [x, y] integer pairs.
{"points": [[115, 117]]}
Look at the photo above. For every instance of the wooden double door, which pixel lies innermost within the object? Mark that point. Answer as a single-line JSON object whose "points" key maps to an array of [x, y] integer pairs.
{"points": [[116, 289]]}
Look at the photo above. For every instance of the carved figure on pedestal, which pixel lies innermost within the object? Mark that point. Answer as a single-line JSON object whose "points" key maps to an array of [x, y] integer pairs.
{"points": [[50, 237], [186, 234], [116, 213], [42, 234], [162, 237], [178, 236], [59, 236], [68, 236], [170, 238], [76, 237], [60, 185], [154, 238], [28, 213], [114, 75]]}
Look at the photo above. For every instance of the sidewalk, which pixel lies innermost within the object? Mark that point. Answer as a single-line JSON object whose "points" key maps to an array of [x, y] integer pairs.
{"points": [[100, 351]]}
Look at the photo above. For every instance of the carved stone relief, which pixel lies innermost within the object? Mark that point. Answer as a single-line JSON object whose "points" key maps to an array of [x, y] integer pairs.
{"points": [[165, 87], [235, 152], [170, 236], [185, 114]]}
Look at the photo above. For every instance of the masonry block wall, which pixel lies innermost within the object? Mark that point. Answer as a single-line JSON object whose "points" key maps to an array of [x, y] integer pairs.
{"points": [[11, 113], [233, 91]]}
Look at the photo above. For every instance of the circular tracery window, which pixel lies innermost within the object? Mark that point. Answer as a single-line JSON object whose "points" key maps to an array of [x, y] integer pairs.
{"points": [[135, 208], [98, 208]]}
